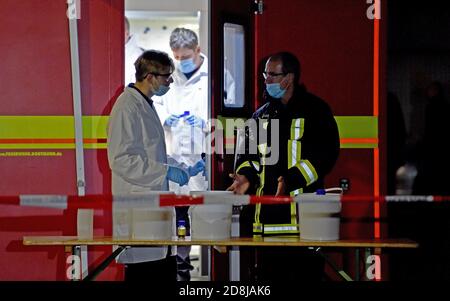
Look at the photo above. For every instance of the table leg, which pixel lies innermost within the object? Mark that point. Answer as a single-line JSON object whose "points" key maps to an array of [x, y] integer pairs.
{"points": [[339, 271], [104, 264], [357, 265], [76, 252], [209, 263], [234, 263], [367, 253]]}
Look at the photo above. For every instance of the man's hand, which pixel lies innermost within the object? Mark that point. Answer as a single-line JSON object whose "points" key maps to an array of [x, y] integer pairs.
{"points": [[281, 187], [240, 184], [193, 120]]}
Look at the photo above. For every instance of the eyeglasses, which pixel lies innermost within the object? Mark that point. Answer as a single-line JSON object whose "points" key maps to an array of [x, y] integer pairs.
{"points": [[166, 75], [267, 75]]}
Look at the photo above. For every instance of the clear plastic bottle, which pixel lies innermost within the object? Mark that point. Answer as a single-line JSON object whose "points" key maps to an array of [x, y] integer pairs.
{"points": [[181, 229]]}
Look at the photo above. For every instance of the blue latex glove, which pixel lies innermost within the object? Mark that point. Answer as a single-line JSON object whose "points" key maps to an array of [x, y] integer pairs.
{"points": [[172, 120], [196, 168], [178, 175], [204, 161], [195, 121]]}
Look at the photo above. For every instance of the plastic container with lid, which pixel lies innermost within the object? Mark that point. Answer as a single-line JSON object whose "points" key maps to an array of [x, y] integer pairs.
{"points": [[181, 229]]}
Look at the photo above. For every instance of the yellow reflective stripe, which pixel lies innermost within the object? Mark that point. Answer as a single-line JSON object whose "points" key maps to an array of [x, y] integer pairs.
{"points": [[259, 191], [289, 154], [257, 228], [257, 213], [296, 192], [354, 131], [294, 213], [294, 157], [244, 164], [294, 152], [51, 132], [281, 228], [262, 177], [297, 128], [357, 126], [51, 146], [252, 164], [292, 128], [359, 145], [308, 171], [255, 165], [95, 127], [358, 131], [40, 127]]}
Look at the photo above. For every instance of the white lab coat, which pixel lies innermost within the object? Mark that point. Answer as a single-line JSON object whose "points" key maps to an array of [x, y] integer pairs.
{"points": [[132, 52], [186, 143], [137, 158]]}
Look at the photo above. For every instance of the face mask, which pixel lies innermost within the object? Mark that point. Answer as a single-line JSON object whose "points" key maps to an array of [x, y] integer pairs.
{"points": [[187, 65], [161, 90], [275, 90]]}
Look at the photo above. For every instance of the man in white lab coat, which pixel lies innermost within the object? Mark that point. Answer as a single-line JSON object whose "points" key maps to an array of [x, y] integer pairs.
{"points": [[138, 160], [132, 52], [184, 112]]}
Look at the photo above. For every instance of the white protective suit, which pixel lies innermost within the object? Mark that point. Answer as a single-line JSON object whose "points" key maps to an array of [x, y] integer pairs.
{"points": [[137, 158], [132, 52], [186, 143]]}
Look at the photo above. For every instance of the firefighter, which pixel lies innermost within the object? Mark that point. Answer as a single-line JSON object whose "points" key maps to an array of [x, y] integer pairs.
{"points": [[294, 159]]}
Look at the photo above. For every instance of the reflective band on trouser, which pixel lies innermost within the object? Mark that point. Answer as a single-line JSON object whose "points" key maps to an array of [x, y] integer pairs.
{"points": [[262, 148], [276, 229], [297, 128], [294, 213], [308, 171], [293, 227], [257, 228]]}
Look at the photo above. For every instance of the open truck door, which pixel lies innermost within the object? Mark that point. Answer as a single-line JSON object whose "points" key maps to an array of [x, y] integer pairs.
{"points": [[342, 50]]}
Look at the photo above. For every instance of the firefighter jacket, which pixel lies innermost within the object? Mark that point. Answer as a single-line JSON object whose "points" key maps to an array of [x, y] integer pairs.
{"points": [[303, 149]]}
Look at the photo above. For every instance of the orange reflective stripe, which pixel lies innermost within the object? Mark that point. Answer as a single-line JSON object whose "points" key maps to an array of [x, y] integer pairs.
{"points": [[359, 140]]}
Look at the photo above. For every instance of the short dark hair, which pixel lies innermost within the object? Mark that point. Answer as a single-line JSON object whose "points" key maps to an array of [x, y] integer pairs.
{"points": [[290, 63], [152, 61]]}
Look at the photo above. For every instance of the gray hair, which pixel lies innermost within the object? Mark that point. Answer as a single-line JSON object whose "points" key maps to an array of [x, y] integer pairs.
{"points": [[183, 38]]}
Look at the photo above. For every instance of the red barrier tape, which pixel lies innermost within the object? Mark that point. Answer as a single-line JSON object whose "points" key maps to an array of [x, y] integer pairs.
{"points": [[105, 201]]}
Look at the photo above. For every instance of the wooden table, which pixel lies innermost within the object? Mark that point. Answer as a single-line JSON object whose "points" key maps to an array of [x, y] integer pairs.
{"points": [[74, 243]]}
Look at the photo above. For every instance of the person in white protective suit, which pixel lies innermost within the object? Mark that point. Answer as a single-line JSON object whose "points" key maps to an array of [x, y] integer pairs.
{"points": [[132, 52], [183, 112], [138, 159]]}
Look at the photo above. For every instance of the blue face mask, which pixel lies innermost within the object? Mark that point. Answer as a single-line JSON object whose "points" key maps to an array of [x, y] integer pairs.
{"points": [[275, 90], [187, 65], [161, 90]]}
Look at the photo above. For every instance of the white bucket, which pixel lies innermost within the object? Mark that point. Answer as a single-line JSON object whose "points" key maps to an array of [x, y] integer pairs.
{"points": [[319, 218], [211, 221], [138, 216], [154, 223]]}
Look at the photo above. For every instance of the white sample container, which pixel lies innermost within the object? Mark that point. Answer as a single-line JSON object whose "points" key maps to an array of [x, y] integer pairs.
{"points": [[211, 222], [154, 223], [319, 218]]}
